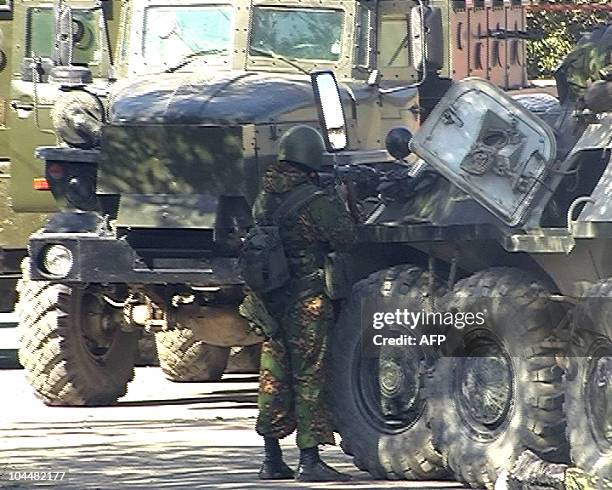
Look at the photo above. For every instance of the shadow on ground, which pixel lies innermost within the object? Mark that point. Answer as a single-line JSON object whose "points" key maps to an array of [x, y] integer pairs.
{"points": [[177, 454]]}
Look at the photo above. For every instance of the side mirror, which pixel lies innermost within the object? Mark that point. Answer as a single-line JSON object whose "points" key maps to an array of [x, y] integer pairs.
{"points": [[331, 112], [417, 37], [427, 38]]}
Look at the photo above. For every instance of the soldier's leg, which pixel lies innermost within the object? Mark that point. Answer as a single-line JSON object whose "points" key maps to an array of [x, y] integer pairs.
{"points": [[308, 322], [276, 418]]}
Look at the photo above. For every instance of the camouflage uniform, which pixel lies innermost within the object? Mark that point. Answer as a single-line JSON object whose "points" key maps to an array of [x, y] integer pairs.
{"points": [[586, 64], [530, 471], [576, 479], [292, 373]]}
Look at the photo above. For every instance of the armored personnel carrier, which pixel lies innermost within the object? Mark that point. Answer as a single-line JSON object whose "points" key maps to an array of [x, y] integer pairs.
{"points": [[499, 242]]}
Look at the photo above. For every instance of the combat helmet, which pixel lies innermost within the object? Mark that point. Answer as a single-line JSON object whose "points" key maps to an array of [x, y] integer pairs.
{"points": [[302, 145]]}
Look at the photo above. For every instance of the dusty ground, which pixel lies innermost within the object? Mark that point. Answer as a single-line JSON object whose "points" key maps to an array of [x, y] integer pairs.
{"points": [[161, 435]]}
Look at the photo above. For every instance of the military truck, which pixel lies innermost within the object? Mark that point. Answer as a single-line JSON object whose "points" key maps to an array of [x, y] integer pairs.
{"points": [[505, 231], [27, 120], [481, 43], [7, 287], [27, 40], [177, 212]]}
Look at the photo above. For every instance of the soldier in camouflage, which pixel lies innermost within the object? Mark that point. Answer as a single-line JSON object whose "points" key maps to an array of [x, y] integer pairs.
{"points": [[292, 373], [583, 82], [589, 63], [530, 471]]}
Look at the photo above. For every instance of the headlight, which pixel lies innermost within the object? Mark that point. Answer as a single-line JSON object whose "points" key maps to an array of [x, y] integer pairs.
{"points": [[57, 260]]}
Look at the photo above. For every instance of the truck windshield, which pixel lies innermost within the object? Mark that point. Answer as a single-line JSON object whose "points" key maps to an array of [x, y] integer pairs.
{"points": [[172, 33], [308, 34]]}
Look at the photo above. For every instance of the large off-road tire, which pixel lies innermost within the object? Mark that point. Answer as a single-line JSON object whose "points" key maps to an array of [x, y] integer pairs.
{"points": [[184, 358], [73, 351], [376, 397], [588, 402], [244, 360], [503, 391]]}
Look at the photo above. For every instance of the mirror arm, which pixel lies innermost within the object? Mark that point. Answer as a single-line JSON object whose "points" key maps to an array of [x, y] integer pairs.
{"points": [[108, 47], [63, 33], [386, 91]]}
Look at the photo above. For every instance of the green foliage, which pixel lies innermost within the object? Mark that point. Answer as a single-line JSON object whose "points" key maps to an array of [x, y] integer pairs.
{"points": [[561, 30]]}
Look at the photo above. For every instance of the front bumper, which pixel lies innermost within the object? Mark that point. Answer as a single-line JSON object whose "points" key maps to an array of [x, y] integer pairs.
{"points": [[100, 259]]}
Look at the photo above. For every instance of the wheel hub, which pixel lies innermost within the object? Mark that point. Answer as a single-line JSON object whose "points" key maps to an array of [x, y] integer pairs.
{"points": [[485, 388], [98, 327], [391, 378], [389, 386], [599, 396]]}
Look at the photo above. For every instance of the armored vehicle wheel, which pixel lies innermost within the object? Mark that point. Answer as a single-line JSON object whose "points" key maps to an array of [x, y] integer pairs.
{"points": [[71, 346], [505, 392], [244, 359], [376, 394], [588, 401], [184, 358]]}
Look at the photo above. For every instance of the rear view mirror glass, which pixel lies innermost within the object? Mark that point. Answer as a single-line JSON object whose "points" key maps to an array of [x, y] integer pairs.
{"points": [[331, 112], [417, 37]]}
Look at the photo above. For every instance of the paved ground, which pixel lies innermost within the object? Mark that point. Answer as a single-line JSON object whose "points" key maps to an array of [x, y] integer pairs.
{"points": [[160, 435]]}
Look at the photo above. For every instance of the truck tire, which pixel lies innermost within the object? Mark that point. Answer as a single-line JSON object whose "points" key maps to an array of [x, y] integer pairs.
{"points": [[244, 360], [65, 362], [503, 391], [385, 444], [184, 358], [589, 382]]}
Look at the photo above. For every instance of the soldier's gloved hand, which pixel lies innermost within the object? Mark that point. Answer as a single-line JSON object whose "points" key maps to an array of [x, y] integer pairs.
{"points": [[598, 97]]}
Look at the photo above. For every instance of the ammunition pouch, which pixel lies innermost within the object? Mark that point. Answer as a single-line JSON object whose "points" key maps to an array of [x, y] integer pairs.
{"points": [[338, 277], [261, 322]]}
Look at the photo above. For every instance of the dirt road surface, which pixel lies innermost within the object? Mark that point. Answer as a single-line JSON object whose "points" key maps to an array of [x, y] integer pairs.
{"points": [[160, 435]]}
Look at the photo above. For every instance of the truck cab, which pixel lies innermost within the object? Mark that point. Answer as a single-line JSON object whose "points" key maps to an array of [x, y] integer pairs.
{"points": [[32, 90], [152, 214]]}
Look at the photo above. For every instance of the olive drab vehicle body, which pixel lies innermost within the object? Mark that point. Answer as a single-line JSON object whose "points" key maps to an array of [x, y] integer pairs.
{"points": [[10, 270], [27, 33]]}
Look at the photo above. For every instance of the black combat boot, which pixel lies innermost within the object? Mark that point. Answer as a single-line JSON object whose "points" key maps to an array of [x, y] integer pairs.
{"points": [[313, 469], [273, 466]]}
